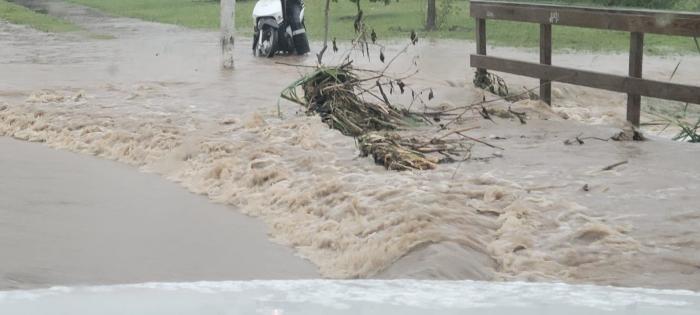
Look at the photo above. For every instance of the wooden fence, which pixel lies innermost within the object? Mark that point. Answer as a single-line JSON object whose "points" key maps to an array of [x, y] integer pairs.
{"points": [[637, 22]]}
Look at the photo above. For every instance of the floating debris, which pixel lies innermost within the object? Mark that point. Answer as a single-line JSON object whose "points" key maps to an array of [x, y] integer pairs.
{"points": [[333, 93], [394, 152], [330, 92], [401, 153], [493, 83]]}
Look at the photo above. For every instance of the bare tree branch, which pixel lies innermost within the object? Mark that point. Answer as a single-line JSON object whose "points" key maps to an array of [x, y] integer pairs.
{"points": [[325, 33]]}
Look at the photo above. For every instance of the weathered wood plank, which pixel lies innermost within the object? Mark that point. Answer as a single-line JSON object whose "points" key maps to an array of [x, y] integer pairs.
{"points": [[641, 21], [546, 59], [227, 27], [481, 39], [610, 82], [635, 71]]}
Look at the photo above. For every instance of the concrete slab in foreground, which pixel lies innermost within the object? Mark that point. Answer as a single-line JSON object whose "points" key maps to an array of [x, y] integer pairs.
{"points": [[369, 297], [70, 219]]}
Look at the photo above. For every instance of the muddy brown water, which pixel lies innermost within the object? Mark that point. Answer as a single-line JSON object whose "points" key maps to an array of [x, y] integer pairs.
{"points": [[72, 219], [155, 97]]}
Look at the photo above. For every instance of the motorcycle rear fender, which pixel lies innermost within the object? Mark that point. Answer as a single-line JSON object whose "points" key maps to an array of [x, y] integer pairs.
{"points": [[268, 8], [269, 21]]}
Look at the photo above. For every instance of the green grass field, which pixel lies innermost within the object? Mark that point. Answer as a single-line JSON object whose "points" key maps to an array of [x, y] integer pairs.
{"points": [[390, 21], [17, 14]]}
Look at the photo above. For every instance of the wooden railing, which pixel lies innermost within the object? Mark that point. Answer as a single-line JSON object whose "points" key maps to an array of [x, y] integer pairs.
{"points": [[637, 22]]}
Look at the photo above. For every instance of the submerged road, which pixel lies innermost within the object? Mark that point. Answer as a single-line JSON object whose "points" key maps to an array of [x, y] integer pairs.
{"points": [[71, 219]]}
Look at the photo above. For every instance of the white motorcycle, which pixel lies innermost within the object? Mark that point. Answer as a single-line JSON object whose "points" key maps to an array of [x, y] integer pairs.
{"points": [[279, 27]]}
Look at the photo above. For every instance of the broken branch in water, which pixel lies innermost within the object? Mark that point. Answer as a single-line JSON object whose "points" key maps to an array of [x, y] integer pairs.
{"points": [[319, 56], [484, 101], [457, 131], [334, 93], [484, 113], [480, 141], [610, 167], [578, 139], [294, 65], [520, 116], [465, 109]]}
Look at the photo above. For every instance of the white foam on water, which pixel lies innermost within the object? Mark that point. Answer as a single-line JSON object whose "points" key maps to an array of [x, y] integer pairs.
{"points": [[333, 295], [348, 216]]}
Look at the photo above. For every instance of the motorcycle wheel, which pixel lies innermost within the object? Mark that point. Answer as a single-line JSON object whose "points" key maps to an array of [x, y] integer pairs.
{"points": [[256, 36], [267, 44]]}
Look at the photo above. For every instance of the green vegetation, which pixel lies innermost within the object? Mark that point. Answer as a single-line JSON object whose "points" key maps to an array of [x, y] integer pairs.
{"points": [[190, 13], [18, 14], [683, 5], [396, 19]]}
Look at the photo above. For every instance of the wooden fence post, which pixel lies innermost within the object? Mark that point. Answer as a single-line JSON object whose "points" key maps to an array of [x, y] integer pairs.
{"points": [[636, 61], [481, 41], [636, 22], [227, 25], [546, 59]]}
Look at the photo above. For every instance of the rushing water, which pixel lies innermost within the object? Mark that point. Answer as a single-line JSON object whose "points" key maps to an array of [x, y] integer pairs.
{"points": [[155, 98]]}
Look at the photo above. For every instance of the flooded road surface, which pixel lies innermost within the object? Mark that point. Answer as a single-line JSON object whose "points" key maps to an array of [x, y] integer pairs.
{"points": [[369, 297], [155, 98], [72, 219]]}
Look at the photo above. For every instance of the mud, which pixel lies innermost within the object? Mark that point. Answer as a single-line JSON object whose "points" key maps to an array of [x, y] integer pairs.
{"points": [[155, 98]]}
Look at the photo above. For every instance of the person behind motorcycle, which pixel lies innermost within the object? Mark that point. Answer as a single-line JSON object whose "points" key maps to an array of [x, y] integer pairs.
{"points": [[293, 10]]}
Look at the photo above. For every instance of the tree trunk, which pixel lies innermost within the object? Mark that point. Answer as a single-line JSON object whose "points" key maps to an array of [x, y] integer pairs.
{"points": [[227, 24], [325, 33], [431, 16]]}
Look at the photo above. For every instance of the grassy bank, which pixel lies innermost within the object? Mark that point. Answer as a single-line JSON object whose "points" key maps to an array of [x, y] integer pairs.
{"points": [[394, 20], [678, 5], [17, 14]]}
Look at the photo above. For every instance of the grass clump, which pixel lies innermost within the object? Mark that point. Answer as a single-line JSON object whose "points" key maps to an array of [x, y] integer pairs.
{"points": [[689, 132], [18, 14], [683, 117]]}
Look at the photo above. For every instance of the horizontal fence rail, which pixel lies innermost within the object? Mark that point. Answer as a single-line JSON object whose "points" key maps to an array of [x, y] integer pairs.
{"points": [[637, 22], [629, 20], [610, 82]]}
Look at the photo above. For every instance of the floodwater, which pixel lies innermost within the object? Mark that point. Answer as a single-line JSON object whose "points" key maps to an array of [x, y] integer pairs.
{"points": [[348, 297], [73, 219], [154, 97]]}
